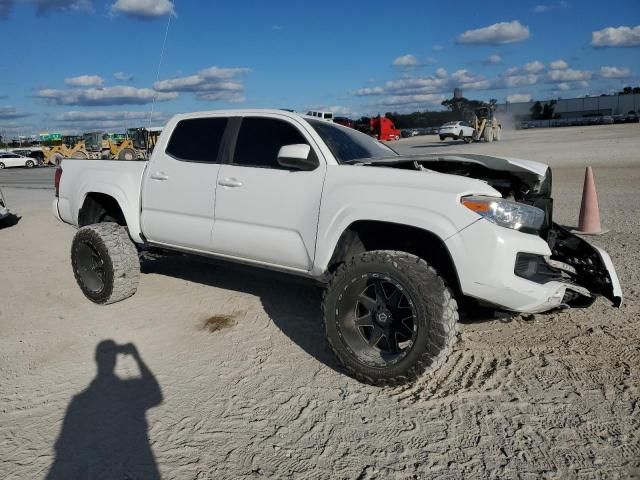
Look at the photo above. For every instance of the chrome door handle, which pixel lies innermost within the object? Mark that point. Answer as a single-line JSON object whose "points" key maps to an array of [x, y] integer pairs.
{"points": [[160, 176], [229, 182]]}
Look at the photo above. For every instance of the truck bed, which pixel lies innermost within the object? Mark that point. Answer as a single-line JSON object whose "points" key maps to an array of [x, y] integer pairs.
{"points": [[119, 178]]}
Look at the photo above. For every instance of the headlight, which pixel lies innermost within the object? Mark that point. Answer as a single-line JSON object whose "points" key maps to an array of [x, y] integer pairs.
{"points": [[506, 213]]}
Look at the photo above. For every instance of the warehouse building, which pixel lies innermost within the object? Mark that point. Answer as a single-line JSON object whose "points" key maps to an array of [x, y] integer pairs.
{"points": [[578, 107]]}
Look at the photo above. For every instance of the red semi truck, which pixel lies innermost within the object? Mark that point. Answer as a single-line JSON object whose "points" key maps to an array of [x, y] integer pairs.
{"points": [[384, 129]]}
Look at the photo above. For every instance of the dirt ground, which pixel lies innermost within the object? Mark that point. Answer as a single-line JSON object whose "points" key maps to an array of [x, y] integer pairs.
{"points": [[233, 378]]}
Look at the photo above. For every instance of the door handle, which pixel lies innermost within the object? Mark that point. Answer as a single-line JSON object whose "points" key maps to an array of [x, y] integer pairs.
{"points": [[160, 176], [229, 182]]}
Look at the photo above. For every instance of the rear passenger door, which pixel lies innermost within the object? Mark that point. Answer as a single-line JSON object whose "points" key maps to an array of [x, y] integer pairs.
{"points": [[265, 213], [179, 187]]}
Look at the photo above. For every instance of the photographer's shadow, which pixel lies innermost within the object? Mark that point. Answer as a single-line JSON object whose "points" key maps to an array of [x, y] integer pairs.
{"points": [[105, 433]]}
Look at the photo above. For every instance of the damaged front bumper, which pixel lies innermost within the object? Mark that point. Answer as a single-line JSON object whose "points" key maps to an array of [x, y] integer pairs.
{"points": [[524, 273]]}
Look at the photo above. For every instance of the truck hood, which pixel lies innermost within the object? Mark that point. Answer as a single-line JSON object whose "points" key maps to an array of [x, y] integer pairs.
{"points": [[512, 177]]}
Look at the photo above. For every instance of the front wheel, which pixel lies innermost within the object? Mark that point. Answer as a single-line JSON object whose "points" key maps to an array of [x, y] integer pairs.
{"points": [[105, 262], [389, 317], [1, 165]]}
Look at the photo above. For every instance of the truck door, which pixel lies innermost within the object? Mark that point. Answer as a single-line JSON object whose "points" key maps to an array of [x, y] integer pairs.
{"points": [[179, 188], [265, 213]]}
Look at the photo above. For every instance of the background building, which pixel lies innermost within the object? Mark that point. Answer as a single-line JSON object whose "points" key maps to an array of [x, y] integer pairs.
{"points": [[578, 107]]}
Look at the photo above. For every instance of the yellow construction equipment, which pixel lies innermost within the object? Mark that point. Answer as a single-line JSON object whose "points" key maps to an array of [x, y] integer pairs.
{"points": [[486, 125], [53, 155], [138, 143]]}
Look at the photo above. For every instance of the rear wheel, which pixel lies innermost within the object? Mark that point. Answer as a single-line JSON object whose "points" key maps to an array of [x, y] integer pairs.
{"points": [[498, 134], [29, 164], [389, 317], [127, 154], [488, 134], [105, 262], [441, 137], [80, 154]]}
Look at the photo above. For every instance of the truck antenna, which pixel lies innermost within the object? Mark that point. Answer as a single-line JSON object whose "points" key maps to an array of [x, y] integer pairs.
{"points": [[153, 102]]}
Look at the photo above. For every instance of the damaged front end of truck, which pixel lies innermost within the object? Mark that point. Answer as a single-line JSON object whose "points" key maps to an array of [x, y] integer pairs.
{"points": [[585, 271]]}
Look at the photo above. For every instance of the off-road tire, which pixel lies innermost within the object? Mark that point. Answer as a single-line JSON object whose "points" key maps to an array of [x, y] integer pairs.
{"points": [[120, 261], [498, 134], [488, 134], [436, 309]]}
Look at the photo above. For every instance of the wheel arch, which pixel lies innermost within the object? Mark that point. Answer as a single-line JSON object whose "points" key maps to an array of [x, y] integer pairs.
{"points": [[368, 235], [97, 206]]}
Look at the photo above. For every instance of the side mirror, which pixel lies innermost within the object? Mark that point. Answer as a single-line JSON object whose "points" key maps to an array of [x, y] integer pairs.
{"points": [[297, 157]]}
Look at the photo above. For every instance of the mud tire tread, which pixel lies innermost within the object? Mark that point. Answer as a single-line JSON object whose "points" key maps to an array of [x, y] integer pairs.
{"points": [[442, 328]]}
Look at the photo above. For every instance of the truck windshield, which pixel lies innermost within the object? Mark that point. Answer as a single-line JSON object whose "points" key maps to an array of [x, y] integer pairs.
{"points": [[349, 145]]}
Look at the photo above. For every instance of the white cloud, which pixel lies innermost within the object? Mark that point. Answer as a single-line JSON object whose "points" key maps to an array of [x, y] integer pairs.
{"points": [[519, 97], [564, 86], [102, 115], [44, 7], [409, 60], [432, 99], [616, 37], [520, 80], [211, 84], [533, 67], [363, 92], [406, 61], [337, 110], [123, 77], [494, 59], [118, 95], [12, 113], [558, 65], [437, 48], [85, 81], [542, 8], [83, 121], [143, 9], [569, 75], [615, 72], [412, 91], [496, 34]]}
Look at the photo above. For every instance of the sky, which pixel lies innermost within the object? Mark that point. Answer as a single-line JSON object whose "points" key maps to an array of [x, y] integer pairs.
{"points": [[77, 65]]}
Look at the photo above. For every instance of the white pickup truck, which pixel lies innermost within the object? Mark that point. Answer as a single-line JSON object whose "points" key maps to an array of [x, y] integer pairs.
{"points": [[398, 241]]}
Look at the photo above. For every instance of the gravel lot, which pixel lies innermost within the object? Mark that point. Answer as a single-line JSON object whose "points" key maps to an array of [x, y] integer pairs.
{"points": [[234, 379]]}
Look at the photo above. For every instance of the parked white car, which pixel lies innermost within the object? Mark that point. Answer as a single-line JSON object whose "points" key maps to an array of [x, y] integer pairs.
{"points": [[398, 241], [457, 131], [11, 159]]}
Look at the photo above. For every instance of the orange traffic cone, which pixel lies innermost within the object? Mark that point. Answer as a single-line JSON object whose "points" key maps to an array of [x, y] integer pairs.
{"points": [[589, 220]]}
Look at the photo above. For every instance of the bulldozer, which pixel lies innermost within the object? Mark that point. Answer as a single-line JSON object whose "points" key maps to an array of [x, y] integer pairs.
{"points": [[486, 125]]}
